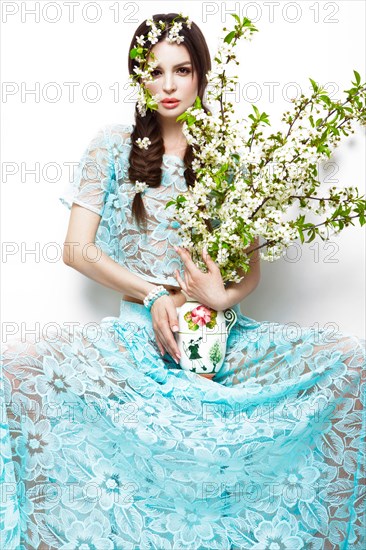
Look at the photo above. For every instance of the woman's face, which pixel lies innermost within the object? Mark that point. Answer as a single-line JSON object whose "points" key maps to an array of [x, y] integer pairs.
{"points": [[173, 78]]}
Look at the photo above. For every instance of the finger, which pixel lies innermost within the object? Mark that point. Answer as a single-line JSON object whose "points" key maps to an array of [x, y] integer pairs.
{"points": [[161, 339], [170, 344], [186, 279], [186, 259], [207, 259], [174, 327], [167, 320], [166, 339], [182, 285], [186, 284], [161, 349], [180, 281], [173, 319], [205, 256]]}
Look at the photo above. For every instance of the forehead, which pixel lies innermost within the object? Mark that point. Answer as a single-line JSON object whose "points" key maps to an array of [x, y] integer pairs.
{"points": [[170, 53]]}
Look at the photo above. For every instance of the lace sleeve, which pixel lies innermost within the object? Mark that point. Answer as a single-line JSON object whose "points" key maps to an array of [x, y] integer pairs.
{"points": [[92, 177]]}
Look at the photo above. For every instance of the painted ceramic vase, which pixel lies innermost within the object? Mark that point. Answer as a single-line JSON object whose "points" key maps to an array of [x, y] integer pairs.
{"points": [[202, 336]]}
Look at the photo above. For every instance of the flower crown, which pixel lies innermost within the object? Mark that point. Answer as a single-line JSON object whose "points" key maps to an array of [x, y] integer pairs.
{"points": [[144, 71]]}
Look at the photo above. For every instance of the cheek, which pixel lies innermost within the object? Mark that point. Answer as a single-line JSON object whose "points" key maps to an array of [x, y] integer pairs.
{"points": [[152, 86], [189, 88], [192, 87]]}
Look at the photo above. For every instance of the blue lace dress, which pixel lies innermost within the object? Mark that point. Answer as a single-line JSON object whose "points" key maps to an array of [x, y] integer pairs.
{"points": [[106, 445]]}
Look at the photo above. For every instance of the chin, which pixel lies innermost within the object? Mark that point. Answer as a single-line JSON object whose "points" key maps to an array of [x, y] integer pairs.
{"points": [[174, 113], [170, 116]]}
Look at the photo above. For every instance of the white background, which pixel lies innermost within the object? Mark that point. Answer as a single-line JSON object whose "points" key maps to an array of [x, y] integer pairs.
{"points": [[321, 40]]}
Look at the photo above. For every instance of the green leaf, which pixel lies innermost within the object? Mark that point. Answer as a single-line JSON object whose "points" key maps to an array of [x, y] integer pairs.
{"points": [[256, 111], [312, 237], [236, 17], [314, 85], [326, 99], [229, 37], [247, 23], [134, 53], [182, 117], [264, 118], [357, 77], [301, 234], [197, 102]]}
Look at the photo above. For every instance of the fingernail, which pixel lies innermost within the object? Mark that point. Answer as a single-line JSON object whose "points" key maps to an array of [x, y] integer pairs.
{"points": [[175, 248], [175, 328], [176, 360]]}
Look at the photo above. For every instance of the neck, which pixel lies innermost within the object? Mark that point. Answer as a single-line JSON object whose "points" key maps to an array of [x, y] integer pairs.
{"points": [[171, 132]]}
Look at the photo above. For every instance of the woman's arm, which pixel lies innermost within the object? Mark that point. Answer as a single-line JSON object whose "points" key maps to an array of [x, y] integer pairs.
{"points": [[81, 253], [236, 292]]}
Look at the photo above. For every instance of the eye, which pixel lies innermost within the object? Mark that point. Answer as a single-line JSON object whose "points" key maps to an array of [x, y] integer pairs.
{"points": [[185, 69]]}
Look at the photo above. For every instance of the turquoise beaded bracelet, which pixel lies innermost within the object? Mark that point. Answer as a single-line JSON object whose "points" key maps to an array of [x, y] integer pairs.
{"points": [[154, 295]]}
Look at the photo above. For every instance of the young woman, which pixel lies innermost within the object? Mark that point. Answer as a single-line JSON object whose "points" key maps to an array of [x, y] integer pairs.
{"points": [[108, 444]]}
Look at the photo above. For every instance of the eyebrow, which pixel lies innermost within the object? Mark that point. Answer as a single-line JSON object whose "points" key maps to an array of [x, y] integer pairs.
{"points": [[179, 64]]}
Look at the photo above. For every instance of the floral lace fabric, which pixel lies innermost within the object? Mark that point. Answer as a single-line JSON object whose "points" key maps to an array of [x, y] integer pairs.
{"points": [[106, 445], [101, 184]]}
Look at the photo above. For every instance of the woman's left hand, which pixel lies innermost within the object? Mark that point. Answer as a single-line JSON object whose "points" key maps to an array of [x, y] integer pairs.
{"points": [[207, 288]]}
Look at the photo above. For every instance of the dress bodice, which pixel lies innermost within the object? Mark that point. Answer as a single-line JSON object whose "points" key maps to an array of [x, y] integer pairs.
{"points": [[101, 184]]}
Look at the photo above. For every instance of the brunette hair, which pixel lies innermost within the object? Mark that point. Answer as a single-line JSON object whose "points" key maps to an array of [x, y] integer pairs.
{"points": [[147, 167]]}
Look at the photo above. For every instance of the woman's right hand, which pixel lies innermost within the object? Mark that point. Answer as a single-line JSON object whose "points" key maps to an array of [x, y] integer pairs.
{"points": [[164, 319]]}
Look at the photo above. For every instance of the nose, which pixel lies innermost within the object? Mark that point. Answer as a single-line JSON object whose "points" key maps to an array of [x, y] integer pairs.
{"points": [[169, 83]]}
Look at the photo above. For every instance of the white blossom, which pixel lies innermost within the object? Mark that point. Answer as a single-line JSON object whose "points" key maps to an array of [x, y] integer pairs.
{"points": [[249, 183], [143, 143], [140, 186]]}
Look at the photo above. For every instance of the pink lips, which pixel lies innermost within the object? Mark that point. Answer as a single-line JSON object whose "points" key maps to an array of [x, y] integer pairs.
{"points": [[170, 103]]}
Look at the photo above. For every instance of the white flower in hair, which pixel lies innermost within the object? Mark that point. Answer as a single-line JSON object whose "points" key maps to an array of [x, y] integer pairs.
{"points": [[140, 186], [140, 40], [153, 35], [143, 143], [173, 35], [141, 103]]}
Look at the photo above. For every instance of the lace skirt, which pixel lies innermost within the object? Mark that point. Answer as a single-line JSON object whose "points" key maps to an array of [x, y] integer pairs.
{"points": [[106, 445]]}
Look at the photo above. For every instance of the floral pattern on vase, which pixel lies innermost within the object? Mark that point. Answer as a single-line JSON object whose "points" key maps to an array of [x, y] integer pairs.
{"points": [[203, 354]]}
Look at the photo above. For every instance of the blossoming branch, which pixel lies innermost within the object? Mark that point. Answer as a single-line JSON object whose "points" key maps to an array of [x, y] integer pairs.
{"points": [[251, 185]]}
